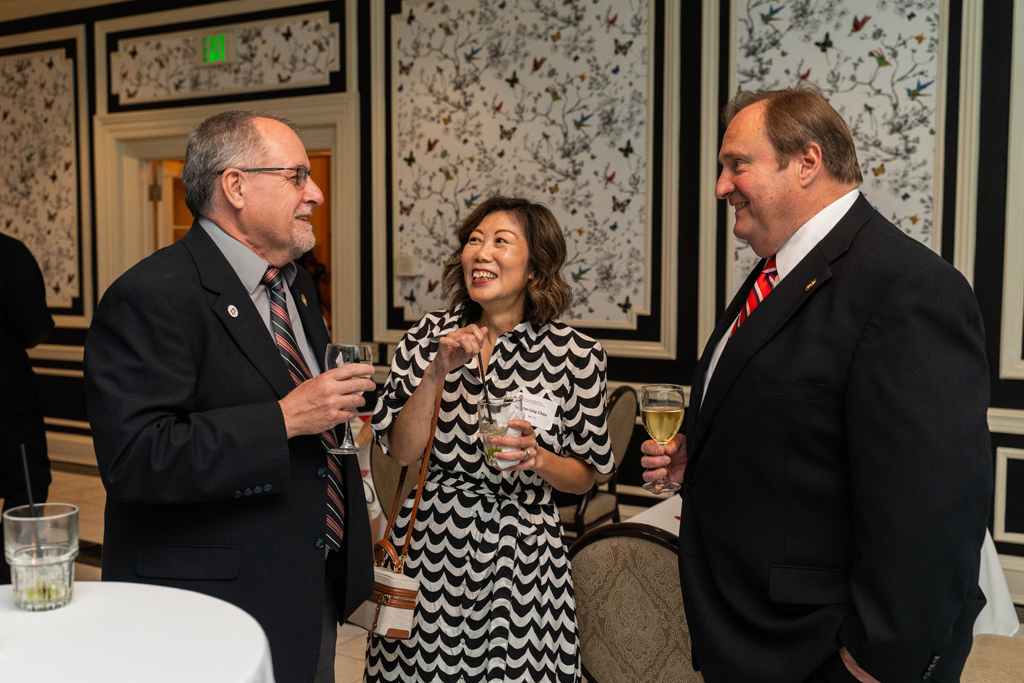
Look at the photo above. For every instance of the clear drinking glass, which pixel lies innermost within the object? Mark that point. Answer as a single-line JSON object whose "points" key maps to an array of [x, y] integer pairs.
{"points": [[337, 356], [493, 416], [41, 550], [661, 408]]}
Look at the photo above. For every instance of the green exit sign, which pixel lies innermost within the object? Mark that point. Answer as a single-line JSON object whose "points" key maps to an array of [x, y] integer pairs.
{"points": [[215, 49]]}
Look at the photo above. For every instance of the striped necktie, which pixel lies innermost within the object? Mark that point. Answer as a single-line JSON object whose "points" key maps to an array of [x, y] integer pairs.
{"points": [[765, 283], [297, 368]]}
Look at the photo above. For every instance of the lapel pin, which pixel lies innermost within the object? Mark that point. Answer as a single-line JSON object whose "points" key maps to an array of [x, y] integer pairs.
{"points": [[810, 284], [232, 311], [304, 300]]}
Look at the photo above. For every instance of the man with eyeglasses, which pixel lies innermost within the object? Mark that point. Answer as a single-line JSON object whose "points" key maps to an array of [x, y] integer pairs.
{"points": [[210, 413]]}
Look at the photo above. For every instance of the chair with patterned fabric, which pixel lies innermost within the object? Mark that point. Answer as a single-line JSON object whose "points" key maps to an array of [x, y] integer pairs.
{"points": [[598, 504], [629, 606], [385, 473], [994, 659]]}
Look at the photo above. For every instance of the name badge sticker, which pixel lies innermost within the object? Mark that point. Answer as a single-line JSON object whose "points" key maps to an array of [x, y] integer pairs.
{"points": [[539, 412]]}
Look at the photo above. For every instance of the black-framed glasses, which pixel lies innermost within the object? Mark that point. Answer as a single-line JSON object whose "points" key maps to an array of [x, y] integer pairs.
{"points": [[301, 173]]}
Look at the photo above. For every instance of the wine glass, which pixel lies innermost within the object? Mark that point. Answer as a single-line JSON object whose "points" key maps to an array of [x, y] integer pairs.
{"points": [[661, 408], [337, 356]]}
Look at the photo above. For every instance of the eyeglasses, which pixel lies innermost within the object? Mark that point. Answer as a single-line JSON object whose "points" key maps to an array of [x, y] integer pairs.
{"points": [[301, 173]]}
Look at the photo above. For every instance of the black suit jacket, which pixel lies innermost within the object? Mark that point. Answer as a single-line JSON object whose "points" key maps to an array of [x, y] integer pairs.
{"points": [[204, 489], [839, 473]]}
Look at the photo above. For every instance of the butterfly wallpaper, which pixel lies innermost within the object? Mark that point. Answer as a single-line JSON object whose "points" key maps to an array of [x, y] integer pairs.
{"points": [[38, 165], [289, 52], [546, 99], [876, 62]]}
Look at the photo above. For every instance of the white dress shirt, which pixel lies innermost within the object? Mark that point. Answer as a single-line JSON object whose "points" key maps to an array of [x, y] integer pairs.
{"points": [[250, 269], [791, 253]]}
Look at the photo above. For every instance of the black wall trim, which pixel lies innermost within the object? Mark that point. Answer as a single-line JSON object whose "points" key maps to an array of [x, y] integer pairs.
{"points": [[991, 215], [950, 140]]}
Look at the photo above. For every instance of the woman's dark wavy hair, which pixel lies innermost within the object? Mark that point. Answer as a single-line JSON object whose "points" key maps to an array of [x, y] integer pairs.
{"points": [[547, 294]]}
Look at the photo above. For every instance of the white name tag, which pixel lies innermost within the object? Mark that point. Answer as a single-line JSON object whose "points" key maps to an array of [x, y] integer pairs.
{"points": [[539, 412]]}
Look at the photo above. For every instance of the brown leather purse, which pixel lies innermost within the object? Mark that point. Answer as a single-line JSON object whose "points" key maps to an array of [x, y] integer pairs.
{"points": [[389, 610]]}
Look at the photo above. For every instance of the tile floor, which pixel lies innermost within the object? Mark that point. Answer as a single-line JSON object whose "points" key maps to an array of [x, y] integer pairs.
{"points": [[86, 491]]}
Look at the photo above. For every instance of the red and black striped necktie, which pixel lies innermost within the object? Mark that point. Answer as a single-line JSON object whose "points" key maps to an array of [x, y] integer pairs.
{"points": [[297, 368], [762, 287]]}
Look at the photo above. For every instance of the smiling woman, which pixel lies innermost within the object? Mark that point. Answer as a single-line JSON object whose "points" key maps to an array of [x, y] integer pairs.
{"points": [[529, 225], [495, 597]]}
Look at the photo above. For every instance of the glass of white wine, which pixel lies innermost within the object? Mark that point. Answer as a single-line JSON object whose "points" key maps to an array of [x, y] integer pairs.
{"points": [[661, 408], [338, 355]]}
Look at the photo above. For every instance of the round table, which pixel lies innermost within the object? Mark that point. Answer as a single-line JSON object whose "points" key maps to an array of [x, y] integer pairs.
{"points": [[113, 632]]}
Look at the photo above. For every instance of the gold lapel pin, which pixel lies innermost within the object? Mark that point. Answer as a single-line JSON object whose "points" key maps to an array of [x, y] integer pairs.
{"points": [[810, 284], [305, 304]]}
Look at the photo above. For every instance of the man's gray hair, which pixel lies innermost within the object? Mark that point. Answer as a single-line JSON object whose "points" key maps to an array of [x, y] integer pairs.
{"points": [[226, 140]]}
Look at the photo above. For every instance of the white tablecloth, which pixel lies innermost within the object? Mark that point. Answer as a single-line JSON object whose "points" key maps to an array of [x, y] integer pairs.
{"points": [[998, 617], [113, 632]]}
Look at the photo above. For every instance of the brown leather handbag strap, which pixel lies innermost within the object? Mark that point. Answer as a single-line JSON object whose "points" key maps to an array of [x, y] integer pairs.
{"points": [[423, 476], [423, 470]]}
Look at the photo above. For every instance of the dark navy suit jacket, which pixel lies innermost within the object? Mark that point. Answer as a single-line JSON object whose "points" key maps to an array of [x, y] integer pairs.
{"points": [[840, 468], [204, 489]]}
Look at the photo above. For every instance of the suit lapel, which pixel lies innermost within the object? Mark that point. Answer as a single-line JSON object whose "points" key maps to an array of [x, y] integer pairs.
{"points": [[806, 279], [724, 324], [245, 326]]}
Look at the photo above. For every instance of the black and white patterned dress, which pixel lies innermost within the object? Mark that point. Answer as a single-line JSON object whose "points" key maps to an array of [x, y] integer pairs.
{"points": [[496, 600]]}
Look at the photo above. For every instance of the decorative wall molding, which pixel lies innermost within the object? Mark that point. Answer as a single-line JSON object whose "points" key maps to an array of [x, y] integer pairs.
{"points": [[61, 422], [58, 372], [665, 346], [707, 312], [124, 143], [1011, 342], [968, 138], [73, 354], [73, 448], [56, 205], [999, 532], [1006, 421], [941, 99], [379, 174]]}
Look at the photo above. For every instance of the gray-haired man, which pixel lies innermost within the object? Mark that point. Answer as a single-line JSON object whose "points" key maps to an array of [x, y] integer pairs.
{"points": [[208, 406]]}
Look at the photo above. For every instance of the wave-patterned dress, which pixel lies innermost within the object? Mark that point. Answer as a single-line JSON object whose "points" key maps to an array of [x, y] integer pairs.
{"points": [[496, 600]]}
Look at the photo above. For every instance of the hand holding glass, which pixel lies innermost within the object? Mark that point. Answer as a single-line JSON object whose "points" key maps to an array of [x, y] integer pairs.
{"points": [[337, 356], [661, 408], [493, 416]]}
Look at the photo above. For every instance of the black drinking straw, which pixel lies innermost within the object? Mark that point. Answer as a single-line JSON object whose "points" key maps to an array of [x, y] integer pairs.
{"points": [[28, 481], [483, 383]]}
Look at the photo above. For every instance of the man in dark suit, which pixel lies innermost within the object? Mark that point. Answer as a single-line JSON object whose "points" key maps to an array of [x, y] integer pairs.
{"points": [[836, 470], [207, 425], [25, 322]]}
